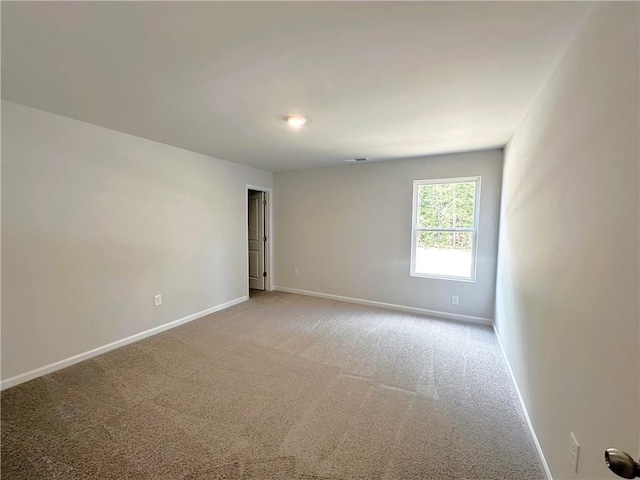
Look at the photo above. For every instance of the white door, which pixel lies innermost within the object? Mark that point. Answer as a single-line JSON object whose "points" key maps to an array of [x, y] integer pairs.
{"points": [[257, 240]]}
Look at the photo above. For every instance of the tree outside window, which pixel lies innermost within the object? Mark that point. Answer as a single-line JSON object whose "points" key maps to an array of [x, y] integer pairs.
{"points": [[444, 228]]}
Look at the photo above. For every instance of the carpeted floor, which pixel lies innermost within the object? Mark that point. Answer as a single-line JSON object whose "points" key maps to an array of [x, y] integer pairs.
{"points": [[279, 387]]}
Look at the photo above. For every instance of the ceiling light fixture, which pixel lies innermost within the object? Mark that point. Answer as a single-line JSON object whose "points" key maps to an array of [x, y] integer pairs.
{"points": [[295, 121]]}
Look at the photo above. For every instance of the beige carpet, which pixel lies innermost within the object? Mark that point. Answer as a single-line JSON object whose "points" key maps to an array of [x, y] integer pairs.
{"points": [[279, 387]]}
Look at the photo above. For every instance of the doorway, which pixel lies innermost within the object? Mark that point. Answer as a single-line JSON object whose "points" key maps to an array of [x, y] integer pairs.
{"points": [[258, 238]]}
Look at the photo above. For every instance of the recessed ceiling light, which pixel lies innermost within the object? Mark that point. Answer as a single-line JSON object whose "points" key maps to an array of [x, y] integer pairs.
{"points": [[295, 121]]}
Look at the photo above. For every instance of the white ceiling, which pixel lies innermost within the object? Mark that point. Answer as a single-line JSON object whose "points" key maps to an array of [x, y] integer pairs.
{"points": [[379, 79]]}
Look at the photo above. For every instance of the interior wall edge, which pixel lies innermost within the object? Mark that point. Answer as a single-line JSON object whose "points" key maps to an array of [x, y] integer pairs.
{"points": [[391, 306], [525, 412], [41, 371]]}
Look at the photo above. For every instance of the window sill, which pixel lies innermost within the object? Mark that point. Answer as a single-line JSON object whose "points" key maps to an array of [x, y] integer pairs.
{"points": [[443, 277]]}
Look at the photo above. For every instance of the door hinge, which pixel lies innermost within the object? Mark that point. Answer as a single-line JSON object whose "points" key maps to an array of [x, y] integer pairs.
{"points": [[265, 239], [264, 274], [265, 203]]}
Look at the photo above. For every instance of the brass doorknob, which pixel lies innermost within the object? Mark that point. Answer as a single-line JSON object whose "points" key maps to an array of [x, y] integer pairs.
{"points": [[621, 463]]}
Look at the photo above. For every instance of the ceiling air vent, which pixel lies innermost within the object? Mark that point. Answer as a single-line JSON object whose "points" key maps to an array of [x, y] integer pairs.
{"points": [[363, 159]]}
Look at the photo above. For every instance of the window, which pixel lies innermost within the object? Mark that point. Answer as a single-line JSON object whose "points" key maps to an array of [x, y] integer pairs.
{"points": [[445, 227]]}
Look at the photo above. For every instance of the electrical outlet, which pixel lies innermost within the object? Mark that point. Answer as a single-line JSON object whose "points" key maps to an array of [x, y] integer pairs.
{"points": [[455, 300], [574, 452], [157, 300], [296, 271]]}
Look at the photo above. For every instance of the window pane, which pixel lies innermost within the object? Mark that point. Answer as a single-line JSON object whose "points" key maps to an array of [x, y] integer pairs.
{"points": [[446, 205], [444, 253]]}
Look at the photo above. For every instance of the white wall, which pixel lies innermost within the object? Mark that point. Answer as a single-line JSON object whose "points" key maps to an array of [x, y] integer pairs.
{"points": [[567, 288], [348, 230], [95, 222]]}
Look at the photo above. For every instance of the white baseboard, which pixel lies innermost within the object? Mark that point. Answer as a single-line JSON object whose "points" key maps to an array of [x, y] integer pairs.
{"points": [[38, 372], [392, 306], [524, 410]]}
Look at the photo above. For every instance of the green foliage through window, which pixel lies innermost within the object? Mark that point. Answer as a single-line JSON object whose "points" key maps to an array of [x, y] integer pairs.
{"points": [[446, 206], [445, 240]]}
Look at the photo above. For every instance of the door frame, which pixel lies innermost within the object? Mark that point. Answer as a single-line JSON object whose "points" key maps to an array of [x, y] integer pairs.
{"points": [[268, 249]]}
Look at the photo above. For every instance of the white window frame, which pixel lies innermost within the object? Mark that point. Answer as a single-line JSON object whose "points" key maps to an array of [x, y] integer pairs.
{"points": [[474, 230]]}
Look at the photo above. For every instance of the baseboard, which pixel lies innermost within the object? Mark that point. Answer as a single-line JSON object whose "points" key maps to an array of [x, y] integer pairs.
{"points": [[391, 306], [38, 372], [524, 410]]}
